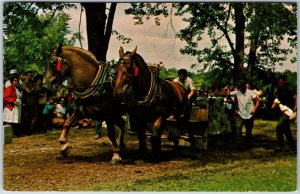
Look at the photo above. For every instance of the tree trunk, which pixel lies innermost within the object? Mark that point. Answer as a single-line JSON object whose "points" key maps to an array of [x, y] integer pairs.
{"points": [[109, 25], [240, 38], [95, 26], [252, 58]]}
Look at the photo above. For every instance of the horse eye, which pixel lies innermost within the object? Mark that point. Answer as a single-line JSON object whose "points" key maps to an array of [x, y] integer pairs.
{"points": [[126, 61]]}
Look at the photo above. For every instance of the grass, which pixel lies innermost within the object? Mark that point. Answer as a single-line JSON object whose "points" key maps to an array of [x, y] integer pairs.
{"points": [[243, 172], [249, 175], [256, 170]]}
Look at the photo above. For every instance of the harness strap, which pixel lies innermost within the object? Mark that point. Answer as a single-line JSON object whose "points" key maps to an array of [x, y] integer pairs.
{"points": [[153, 87], [97, 86]]}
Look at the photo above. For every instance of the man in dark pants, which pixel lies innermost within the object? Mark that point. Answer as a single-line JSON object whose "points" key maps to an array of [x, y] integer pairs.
{"points": [[286, 97], [244, 116]]}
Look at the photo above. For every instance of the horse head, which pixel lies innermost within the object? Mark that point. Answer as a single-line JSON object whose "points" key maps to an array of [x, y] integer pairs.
{"points": [[125, 71], [58, 69]]}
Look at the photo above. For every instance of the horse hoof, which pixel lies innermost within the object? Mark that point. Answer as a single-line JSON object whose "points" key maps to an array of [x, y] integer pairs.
{"points": [[62, 140], [116, 159], [65, 150]]}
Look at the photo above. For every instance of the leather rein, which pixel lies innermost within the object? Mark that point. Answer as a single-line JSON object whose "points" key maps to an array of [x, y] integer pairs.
{"points": [[97, 87], [154, 73]]}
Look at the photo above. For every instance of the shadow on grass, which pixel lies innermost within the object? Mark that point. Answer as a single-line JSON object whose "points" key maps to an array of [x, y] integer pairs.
{"points": [[220, 150]]}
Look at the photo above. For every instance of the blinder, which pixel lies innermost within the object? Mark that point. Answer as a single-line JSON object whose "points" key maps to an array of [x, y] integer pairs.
{"points": [[56, 67], [56, 64], [133, 71]]}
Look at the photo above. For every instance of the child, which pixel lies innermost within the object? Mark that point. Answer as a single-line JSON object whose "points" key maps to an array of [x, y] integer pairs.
{"points": [[59, 113], [48, 112]]}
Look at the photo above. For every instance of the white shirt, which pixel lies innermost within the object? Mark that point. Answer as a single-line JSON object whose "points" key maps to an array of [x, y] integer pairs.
{"points": [[245, 102], [188, 83], [60, 110]]}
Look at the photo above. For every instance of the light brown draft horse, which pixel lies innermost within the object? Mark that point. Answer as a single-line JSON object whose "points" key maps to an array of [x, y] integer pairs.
{"points": [[92, 88], [150, 99]]}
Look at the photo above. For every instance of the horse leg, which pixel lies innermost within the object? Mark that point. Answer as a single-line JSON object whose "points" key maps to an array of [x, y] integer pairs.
{"points": [[112, 136], [121, 124], [63, 139], [136, 125], [156, 137], [143, 150]]}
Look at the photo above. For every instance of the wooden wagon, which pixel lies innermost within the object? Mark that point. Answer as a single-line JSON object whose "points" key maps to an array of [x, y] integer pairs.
{"points": [[210, 121]]}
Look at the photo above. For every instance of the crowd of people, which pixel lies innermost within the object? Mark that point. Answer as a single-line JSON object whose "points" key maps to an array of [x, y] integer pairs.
{"points": [[25, 100], [23, 95], [30, 108], [244, 104]]}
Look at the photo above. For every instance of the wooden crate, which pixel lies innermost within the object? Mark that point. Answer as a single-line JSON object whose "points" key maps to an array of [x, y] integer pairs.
{"points": [[7, 134], [198, 125], [199, 114]]}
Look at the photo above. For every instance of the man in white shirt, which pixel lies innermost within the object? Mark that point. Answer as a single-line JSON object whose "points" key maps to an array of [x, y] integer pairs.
{"points": [[187, 83], [246, 110]]}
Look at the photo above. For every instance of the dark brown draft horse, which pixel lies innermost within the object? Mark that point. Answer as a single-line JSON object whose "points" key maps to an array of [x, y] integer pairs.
{"points": [[150, 99], [92, 88]]}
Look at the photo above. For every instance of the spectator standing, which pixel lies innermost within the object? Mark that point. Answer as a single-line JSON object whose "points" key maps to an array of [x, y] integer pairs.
{"points": [[27, 102], [245, 112], [12, 73], [12, 105], [38, 97], [286, 96]]}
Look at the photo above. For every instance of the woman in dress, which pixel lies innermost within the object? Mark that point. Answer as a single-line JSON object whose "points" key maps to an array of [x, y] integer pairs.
{"points": [[12, 105]]}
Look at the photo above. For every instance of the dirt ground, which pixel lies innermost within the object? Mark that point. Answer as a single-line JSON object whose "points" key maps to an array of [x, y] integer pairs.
{"points": [[33, 163]]}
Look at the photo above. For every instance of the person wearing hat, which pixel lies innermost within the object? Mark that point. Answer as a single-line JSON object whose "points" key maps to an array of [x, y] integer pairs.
{"points": [[12, 73], [12, 105]]}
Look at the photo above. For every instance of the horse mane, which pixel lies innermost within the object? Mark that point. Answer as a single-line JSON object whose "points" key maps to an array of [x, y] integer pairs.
{"points": [[139, 60], [83, 53]]}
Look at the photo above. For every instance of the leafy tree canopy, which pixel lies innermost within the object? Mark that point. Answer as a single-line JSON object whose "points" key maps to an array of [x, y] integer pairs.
{"points": [[30, 31], [264, 27]]}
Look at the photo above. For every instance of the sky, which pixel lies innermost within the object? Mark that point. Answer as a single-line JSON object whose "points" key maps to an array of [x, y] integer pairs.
{"points": [[154, 43]]}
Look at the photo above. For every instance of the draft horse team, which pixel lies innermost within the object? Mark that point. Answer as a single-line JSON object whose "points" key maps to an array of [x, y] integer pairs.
{"points": [[135, 88]]}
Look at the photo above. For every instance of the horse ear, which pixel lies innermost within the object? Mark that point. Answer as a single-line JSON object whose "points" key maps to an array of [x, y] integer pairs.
{"points": [[59, 49], [134, 51], [121, 51]]}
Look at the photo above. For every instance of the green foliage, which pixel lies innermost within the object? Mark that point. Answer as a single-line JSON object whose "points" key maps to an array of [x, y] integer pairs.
{"points": [[258, 178], [31, 30], [268, 25], [268, 21], [146, 10], [222, 77], [255, 170]]}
